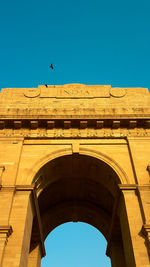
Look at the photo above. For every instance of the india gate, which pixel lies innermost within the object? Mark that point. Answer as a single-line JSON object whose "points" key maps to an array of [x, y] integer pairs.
{"points": [[74, 152]]}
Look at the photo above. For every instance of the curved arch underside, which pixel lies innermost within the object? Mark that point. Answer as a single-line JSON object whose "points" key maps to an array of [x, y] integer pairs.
{"points": [[76, 188]]}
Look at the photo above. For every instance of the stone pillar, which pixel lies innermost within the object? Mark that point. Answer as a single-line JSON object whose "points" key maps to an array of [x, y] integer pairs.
{"points": [[116, 254], [21, 218], [144, 199], [131, 221], [6, 196], [35, 257]]}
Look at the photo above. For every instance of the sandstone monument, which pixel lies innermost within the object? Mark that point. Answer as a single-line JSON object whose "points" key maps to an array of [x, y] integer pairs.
{"points": [[74, 153]]}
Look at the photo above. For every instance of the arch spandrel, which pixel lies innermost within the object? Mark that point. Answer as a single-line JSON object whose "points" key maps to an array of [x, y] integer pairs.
{"points": [[83, 151]]}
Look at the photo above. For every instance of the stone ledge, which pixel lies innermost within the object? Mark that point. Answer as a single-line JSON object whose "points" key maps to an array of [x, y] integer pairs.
{"points": [[134, 187], [6, 229]]}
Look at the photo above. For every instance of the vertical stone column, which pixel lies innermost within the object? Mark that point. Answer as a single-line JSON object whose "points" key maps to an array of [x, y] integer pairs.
{"points": [[35, 257], [131, 220], [37, 248], [6, 195], [144, 199], [116, 254], [115, 248], [10, 152], [21, 218]]}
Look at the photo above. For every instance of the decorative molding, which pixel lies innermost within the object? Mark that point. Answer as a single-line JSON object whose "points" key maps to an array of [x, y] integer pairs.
{"points": [[133, 124], [118, 92], [144, 187], [32, 92], [146, 231], [67, 124], [18, 187], [50, 124], [75, 123], [24, 188], [8, 187], [99, 124], [147, 124], [34, 124], [83, 124], [74, 128], [83, 132], [116, 124], [2, 124], [141, 187], [148, 168], [127, 187], [2, 169], [6, 229], [17, 124]]}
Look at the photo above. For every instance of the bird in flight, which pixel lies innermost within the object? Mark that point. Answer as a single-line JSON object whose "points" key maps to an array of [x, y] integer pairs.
{"points": [[51, 66]]}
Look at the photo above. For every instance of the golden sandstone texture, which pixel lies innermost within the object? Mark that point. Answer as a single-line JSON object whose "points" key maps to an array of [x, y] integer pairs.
{"points": [[74, 153]]}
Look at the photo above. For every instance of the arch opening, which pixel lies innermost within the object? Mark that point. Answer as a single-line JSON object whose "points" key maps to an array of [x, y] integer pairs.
{"points": [[76, 188], [77, 244]]}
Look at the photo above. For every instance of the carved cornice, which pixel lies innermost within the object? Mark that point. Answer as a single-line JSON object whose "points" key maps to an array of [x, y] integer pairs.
{"points": [[74, 128], [84, 122]]}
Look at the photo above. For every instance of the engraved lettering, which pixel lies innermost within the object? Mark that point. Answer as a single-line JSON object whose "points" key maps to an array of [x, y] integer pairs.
{"points": [[75, 91], [67, 92]]}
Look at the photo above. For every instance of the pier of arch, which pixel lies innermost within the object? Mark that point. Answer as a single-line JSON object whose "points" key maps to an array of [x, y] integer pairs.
{"points": [[74, 153]]}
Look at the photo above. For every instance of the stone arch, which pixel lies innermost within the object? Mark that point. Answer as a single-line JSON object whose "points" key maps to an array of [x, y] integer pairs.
{"points": [[76, 193], [83, 151]]}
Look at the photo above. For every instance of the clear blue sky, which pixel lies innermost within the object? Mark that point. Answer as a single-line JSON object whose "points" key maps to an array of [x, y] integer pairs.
{"points": [[91, 42], [76, 245]]}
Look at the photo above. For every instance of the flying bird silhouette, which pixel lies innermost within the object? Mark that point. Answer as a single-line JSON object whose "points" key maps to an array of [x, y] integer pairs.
{"points": [[51, 66]]}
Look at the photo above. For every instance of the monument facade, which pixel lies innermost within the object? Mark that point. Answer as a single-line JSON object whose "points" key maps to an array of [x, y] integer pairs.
{"points": [[74, 153]]}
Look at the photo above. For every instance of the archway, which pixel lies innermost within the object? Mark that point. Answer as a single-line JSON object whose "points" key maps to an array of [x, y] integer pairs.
{"points": [[79, 188], [74, 162]]}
